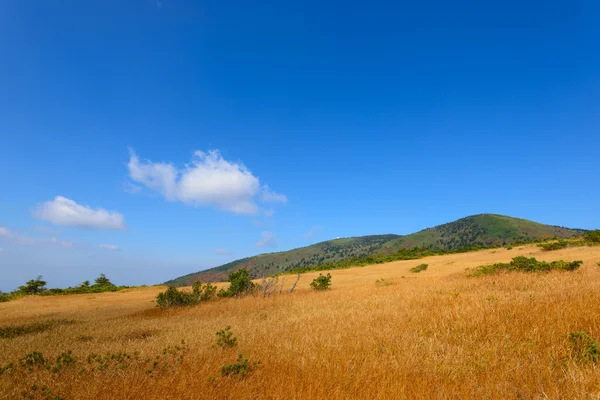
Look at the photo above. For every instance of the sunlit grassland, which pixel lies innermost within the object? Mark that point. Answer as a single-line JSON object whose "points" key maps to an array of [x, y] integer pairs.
{"points": [[436, 334]]}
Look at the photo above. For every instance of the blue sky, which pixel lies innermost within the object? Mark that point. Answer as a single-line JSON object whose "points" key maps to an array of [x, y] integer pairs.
{"points": [[148, 139]]}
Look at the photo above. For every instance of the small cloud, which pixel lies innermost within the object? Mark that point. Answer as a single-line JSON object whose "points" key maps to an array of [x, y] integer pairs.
{"points": [[258, 222], [63, 211], [159, 4], [17, 238], [269, 213], [268, 196], [267, 239], [1, 250], [45, 230], [223, 252], [111, 247], [208, 180], [312, 231]]}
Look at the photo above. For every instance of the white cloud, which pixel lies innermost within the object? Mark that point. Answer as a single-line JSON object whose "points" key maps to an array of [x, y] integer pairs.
{"points": [[268, 196], [267, 239], [269, 213], [112, 247], [63, 211], [32, 241], [208, 180], [45, 230], [223, 251], [258, 222], [312, 231], [1, 250]]}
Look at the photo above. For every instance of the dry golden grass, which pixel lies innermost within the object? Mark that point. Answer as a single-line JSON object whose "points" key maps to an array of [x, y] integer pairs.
{"points": [[436, 334]]}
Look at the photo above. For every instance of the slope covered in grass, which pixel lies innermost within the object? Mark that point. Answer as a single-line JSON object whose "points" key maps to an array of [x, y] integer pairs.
{"points": [[478, 230]]}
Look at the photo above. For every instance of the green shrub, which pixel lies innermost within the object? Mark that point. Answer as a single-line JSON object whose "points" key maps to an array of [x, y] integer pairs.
{"points": [[240, 284], [524, 264], [175, 298], [419, 268], [102, 280], [592, 236], [34, 286], [226, 338], [322, 282], [4, 297], [8, 367], [240, 367], [31, 360], [64, 360], [204, 292], [556, 245], [583, 347]]}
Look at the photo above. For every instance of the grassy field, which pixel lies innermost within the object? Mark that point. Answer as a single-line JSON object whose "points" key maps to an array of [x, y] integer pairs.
{"points": [[381, 332]]}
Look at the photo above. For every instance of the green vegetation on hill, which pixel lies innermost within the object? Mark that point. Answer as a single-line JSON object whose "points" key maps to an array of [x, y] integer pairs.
{"points": [[37, 286], [524, 264], [466, 234], [275, 263], [484, 230]]}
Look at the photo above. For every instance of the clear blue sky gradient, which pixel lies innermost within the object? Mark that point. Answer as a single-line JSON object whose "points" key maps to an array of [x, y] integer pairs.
{"points": [[371, 117]]}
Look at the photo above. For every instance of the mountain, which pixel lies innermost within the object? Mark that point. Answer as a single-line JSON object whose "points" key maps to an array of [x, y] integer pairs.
{"points": [[477, 230]]}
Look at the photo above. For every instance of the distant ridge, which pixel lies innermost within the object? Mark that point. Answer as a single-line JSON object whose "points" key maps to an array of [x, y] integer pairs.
{"points": [[476, 230]]}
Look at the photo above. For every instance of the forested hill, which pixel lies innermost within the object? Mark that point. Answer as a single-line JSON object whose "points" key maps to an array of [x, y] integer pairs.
{"points": [[477, 230]]}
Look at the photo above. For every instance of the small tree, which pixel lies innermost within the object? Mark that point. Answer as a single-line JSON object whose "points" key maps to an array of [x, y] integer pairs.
{"points": [[241, 283], [34, 286], [102, 280], [85, 284], [322, 282], [204, 292]]}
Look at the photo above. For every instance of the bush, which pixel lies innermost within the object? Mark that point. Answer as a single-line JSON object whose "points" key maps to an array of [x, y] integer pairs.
{"points": [[592, 236], [419, 268], [240, 367], [102, 280], [322, 282], [240, 284], [556, 245], [226, 338], [175, 298], [4, 297], [34, 286], [524, 264], [204, 292], [583, 347]]}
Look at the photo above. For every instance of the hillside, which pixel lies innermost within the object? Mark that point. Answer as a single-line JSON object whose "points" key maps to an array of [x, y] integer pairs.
{"points": [[477, 230]]}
